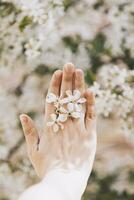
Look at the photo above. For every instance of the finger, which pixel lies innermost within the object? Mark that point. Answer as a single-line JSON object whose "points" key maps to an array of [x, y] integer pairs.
{"points": [[67, 79], [79, 84], [79, 80], [30, 132], [54, 88], [90, 108], [55, 82]]}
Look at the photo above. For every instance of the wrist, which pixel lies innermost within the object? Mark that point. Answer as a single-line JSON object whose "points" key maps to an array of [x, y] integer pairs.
{"points": [[71, 183]]}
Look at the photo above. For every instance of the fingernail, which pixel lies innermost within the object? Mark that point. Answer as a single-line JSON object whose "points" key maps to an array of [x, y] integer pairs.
{"points": [[79, 72], [69, 66], [58, 73], [23, 118]]}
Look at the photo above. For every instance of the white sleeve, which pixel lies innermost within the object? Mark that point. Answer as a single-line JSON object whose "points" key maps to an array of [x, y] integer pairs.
{"points": [[42, 191], [58, 185]]}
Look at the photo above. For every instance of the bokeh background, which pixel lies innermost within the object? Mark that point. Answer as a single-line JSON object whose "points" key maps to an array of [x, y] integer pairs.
{"points": [[36, 38]]}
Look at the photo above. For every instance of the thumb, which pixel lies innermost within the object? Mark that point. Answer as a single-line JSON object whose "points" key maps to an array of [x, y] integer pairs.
{"points": [[30, 132]]}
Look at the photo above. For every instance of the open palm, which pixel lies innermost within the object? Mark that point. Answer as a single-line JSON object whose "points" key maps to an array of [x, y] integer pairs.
{"points": [[71, 147]]}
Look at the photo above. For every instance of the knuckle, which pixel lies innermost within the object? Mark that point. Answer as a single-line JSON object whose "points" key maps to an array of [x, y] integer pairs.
{"points": [[91, 102], [30, 130], [79, 84], [91, 113], [67, 78]]}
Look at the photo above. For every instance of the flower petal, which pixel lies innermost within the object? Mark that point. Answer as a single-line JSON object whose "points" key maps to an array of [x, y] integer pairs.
{"points": [[50, 123], [76, 94], [68, 92], [55, 128], [76, 115], [56, 104], [81, 100], [62, 117], [64, 100], [70, 107], [61, 126], [53, 116], [62, 110], [50, 98], [78, 107], [71, 98]]}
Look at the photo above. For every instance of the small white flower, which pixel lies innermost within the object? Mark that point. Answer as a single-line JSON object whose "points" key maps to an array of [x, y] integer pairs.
{"points": [[34, 9], [73, 108], [52, 98], [75, 100], [56, 122], [73, 96], [71, 111], [96, 89], [33, 48]]}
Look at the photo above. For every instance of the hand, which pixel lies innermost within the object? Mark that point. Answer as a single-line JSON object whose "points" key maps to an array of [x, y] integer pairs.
{"points": [[75, 145]]}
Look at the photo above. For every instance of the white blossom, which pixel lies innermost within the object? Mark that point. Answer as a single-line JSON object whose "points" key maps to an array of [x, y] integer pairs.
{"points": [[112, 76], [74, 100], [114, 95], [34, 32], [35, 9], [73, 108], [71, 111], [33, 48], [57, 101], [56, 121]]}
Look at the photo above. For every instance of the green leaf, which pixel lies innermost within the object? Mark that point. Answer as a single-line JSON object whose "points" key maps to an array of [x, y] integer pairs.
{"points": [[98, 43], [90, 77], [72, 42], [25, 22], [98, 4], [131, 176], [18, 91], [42, 70], [6, 8], [128, 59], [96, 48], [68, 3]]}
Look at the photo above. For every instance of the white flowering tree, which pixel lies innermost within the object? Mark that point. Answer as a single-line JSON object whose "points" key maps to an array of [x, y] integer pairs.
{"points": [[39, 36], [114, 96]]}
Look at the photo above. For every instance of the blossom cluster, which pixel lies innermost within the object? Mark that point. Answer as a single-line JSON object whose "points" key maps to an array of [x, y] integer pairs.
{"points": [[114, 96], [56, 31], [37, 36], [73, 108]]}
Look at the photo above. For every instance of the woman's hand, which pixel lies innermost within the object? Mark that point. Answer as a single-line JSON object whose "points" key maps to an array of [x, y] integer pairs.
{"points": [[71, 148]]}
